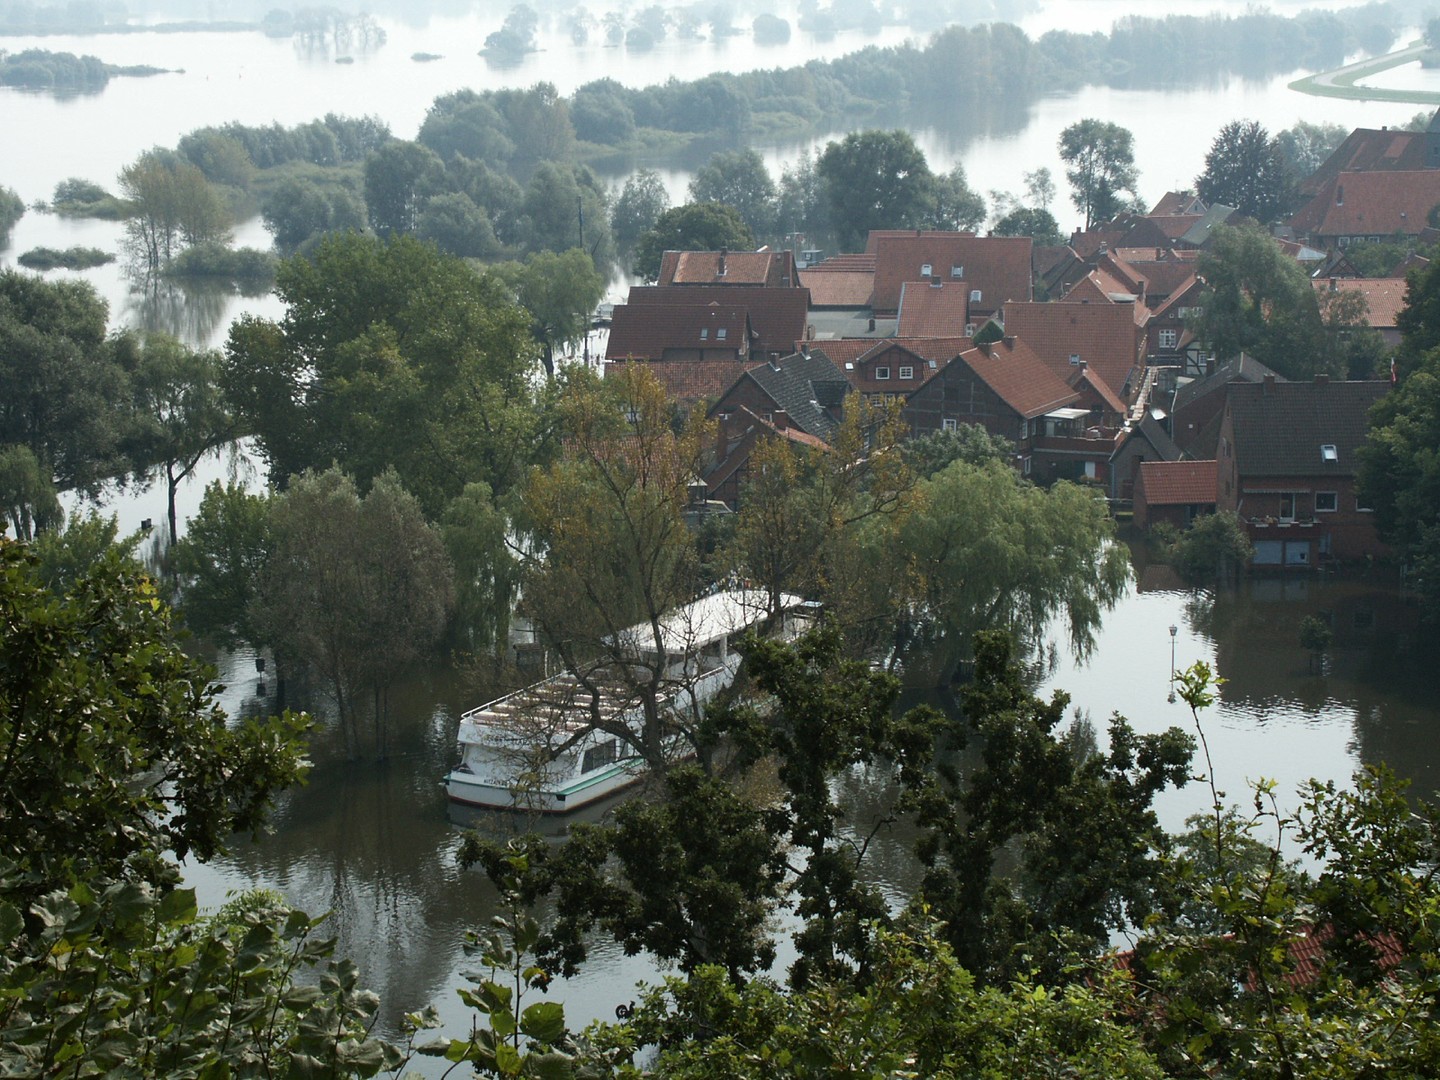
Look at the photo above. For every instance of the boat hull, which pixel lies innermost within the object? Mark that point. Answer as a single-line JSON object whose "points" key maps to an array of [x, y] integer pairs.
{"points": [[473, 790]]}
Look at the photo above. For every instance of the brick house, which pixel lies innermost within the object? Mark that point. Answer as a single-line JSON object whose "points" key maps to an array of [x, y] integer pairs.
{"points": [[1103, 337], [757, 269], [994, 268], [1006, 389], [1287, 463], [1354, 207], [1173, 491]]}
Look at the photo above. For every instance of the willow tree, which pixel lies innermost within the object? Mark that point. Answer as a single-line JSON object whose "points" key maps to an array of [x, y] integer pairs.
{"points": [[993, 551]]}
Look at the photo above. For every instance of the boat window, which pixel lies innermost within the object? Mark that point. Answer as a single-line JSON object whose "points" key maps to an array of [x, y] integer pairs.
{"points": [[600, 755]]}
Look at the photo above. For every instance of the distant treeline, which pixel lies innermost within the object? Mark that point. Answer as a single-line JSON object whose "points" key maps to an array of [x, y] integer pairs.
{"points": [[37, 69]]}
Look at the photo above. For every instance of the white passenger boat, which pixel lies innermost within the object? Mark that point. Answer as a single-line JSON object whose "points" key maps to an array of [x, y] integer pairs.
{"points": [[543, 748]]}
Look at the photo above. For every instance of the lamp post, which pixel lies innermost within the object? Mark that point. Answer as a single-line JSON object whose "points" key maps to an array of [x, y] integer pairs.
{"points": [[1173, 631]]}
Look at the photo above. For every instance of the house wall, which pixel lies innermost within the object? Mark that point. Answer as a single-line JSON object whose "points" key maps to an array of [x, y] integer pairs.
{"points": [[956, 394]]}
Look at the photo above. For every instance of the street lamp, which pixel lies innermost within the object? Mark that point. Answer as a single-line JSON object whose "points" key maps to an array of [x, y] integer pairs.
{"points": [[1173, 631]]}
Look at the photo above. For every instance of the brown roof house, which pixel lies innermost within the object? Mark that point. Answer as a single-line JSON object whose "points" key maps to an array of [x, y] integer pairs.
{"points": [[994, 268], [1141, 442], [933, 309], [1379, 150], [698, 339], [1006, 389], [799, 398], [763, 269], [1287, 463], [1353, 207], [1103, 337], [1197, 404], [1384, 300], [695, 350], [1174, 491]]}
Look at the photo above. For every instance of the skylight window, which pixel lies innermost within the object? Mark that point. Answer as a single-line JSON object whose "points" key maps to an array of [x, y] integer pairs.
{"points": [[1329, 453], [720, 334], [704, 333]]}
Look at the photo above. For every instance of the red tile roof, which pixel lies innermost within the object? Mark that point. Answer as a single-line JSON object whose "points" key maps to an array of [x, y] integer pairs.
{"points": [[832, 287], [777, 316], [996, 267], [1103, 336], [1370, 203], [872, 242], [933, 309], [650, 332], [1177, 483], [1366, 150], [770, 268], [1019, 377], [1385, 297]]}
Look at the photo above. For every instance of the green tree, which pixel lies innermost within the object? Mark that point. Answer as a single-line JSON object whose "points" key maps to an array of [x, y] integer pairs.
{"points": [[1245, 168], [957, 207], [994, 551], [171, 206], [800, 204], [390, 355], [566, 207], [487, 575], [1214, 548], [875, 180], [179, 413], [740, 179], [636, 209], [118, 762], [1305, 146], [602, 114], [1039, 225], [921, 1014], [12, 208], [297, 211], [692, 227], [65, 554], [220, 560], [63, 393], [1099, 162], [115, 753], [559, 292], [970, 443], [399, 178], [455, 224], [27, 493], [1400, 477], [1080, 820], [1259, 300], [356, 589]]}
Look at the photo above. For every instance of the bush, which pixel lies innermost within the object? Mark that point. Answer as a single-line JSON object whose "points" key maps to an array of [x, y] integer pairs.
{"points": [[73, 258], [1212, 547], [247, 265]]}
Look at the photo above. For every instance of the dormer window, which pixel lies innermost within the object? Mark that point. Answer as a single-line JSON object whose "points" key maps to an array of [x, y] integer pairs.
{"points": [[974, 296], [882, 373], [957, 271], [720, 334], [925, 269], [1329, 454]]}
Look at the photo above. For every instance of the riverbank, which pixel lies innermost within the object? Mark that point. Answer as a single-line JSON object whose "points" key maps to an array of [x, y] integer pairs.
{"points": [[1342, 82]]}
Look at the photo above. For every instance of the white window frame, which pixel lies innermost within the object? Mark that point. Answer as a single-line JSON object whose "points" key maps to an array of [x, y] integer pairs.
{"points": [[882, 373], [949, 423], [704, 333], [1168, 339], [925, 270], [1332, 497], [907, 372], [720, 334]]}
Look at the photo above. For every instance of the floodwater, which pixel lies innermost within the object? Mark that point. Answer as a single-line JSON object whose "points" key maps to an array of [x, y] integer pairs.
{"points": [[374, 842], [246, 77]]}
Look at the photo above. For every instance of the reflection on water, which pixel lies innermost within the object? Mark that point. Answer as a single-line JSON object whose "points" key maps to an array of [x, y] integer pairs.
{"points": [[375, 842]]}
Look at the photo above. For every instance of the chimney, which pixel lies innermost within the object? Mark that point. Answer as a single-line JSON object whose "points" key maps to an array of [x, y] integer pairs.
{"points": [[720, 272], [1334, 285], [1269, 383], [781, 419], [1009, 340], [872, 324], [1322, 379]]}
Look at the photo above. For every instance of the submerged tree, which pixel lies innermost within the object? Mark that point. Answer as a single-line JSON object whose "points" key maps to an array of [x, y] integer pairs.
{"points": [[357, 589]]}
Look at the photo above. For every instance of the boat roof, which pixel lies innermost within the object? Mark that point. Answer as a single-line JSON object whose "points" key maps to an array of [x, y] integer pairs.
{"points": [[706, 620]]}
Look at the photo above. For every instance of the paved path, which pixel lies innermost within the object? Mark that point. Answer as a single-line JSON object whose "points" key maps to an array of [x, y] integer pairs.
{"points": [[1341, 82]]}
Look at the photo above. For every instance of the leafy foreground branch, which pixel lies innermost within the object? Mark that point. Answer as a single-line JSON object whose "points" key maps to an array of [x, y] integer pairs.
{"points": [[113, 759]]}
